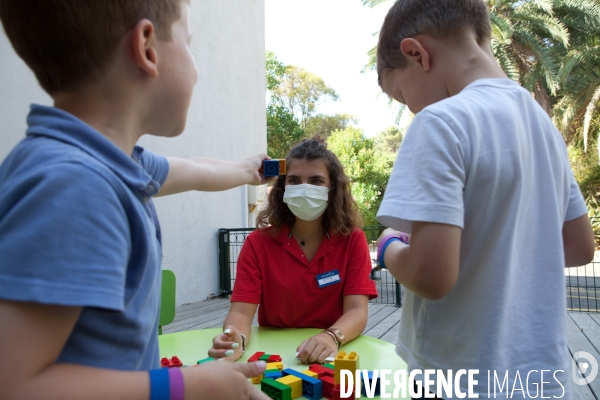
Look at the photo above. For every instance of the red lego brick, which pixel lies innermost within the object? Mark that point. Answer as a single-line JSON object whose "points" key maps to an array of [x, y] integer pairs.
{"points": [[336, 393], [176, 362], [274, 358], [328, 386], [256, 356], [321, 370], [173, 362]]}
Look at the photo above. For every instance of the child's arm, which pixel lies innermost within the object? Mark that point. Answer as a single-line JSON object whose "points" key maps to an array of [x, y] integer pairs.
{"points": [[211, 175], [429, 266], [33, 335], [578, 241]]}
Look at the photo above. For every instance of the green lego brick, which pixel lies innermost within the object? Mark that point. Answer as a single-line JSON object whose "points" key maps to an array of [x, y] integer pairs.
{"points": [[330, 366], [205, 360], [276, 390], [264, 357]]}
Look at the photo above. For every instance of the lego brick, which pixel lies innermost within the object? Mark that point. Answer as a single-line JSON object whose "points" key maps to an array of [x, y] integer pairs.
{"points": [[257, 379], [335, 394], [274, 358], [264, 357], [272, 373], [256, 356], [271, 168], [377, 384], [275, 365], [310, 373], [170, 363], [294, 382], [208, 359], [312, 388], [321, 370], [276, 390], [329, 365], [328, 386], [345, 361]]}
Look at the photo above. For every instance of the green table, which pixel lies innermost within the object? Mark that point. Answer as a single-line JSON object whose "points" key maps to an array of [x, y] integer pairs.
{"points": [[191, 346]]}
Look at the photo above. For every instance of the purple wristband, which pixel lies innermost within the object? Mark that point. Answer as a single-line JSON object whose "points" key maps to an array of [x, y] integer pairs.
{"points": [[175, 384], [403, 237]]}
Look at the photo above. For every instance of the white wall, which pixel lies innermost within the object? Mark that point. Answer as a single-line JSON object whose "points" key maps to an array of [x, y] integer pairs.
{"points": [[226, 121]]}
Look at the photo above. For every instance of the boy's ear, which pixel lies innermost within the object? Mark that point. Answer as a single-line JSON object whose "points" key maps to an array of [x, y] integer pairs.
{"points": [[143, 43], [414, 51]]}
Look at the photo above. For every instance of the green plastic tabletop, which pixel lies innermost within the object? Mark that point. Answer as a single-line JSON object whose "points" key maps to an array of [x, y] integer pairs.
{"points": [[191, 346]]}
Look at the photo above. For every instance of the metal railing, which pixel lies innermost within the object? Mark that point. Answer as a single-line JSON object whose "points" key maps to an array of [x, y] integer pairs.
{"points": [[582, 284], [231, 241]]}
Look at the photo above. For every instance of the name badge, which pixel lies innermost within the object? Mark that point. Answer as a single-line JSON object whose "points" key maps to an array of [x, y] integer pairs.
{"points": [[328, 278]]}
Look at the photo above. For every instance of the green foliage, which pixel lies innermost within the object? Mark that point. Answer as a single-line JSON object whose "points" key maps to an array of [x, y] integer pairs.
{"points": [[368, 169], [295, 95], [283, 131], [275, 71], [301, 92], [389, 140], [323, 125]]}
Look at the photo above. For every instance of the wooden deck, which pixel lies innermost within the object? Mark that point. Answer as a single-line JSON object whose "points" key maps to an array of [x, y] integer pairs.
{"points": [[583, 330]]}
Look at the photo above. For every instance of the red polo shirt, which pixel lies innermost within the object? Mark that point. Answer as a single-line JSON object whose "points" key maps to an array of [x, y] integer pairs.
{"points": [[274, 273]]}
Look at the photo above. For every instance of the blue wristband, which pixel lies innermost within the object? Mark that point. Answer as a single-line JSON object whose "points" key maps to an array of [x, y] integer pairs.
{"points": [[159, 384], [383, 249]]}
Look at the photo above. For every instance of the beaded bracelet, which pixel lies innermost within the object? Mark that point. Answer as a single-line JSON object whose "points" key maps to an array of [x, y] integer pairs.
{"points": [[385, 242]]}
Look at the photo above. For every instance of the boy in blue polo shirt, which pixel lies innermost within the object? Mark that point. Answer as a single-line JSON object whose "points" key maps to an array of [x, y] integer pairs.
{"points": [[80, 243], [483, 184]]}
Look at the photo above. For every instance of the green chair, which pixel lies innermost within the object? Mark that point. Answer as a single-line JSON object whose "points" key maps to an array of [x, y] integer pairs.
{"points": [[167, 299]]}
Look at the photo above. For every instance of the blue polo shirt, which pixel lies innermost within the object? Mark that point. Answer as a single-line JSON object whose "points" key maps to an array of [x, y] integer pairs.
{"points": [[78, 228]]}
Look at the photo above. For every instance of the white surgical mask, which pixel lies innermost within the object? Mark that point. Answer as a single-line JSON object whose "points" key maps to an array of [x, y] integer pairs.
{"points": [[307, 202]]}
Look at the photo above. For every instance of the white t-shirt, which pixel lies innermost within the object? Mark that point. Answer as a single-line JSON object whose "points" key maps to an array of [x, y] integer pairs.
{"points": [[490, 161]]}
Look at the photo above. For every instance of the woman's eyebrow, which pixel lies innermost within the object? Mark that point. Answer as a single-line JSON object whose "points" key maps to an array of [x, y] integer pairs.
{"points": [[310, 177]]}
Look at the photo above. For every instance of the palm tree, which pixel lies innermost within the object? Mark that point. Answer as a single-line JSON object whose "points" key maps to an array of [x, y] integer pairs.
{"points": [[576, 112], [530, 41]]}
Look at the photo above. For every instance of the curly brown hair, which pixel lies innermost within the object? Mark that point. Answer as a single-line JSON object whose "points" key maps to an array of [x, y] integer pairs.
{"points": [[341, 215]]}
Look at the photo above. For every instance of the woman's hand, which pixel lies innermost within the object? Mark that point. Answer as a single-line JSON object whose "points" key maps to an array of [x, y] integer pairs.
{"points": [[227, 345], [317, 348], [223, 380]]}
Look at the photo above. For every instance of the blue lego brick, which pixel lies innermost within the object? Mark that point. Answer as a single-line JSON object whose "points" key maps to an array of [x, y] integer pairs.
{"points": [[377, 385], [311, 388], [271, 168], [273, 374]]}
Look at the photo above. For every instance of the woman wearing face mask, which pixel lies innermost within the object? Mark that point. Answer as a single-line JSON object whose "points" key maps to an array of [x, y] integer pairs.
{"points": [[308, 265]]}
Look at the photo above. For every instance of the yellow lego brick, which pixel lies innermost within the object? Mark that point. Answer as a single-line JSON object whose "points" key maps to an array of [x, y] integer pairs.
{"points": [[257, 379], [275, 365], [345, 361], [310, 373], [294, 382]]}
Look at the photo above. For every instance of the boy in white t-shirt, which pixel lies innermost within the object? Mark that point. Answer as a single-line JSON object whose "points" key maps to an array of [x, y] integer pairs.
{"points": [[482, 183]]}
